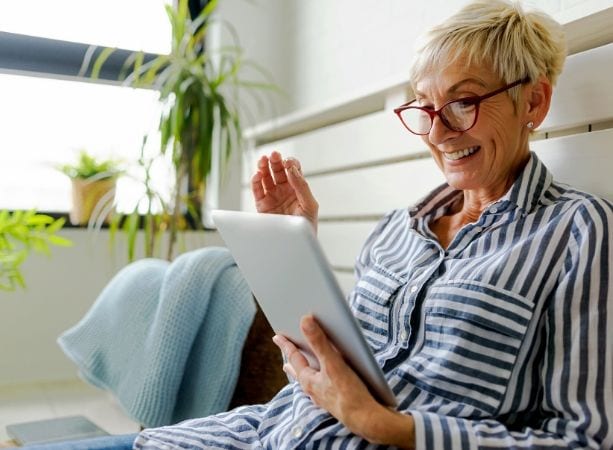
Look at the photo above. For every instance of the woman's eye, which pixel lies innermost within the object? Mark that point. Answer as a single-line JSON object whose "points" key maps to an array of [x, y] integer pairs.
{"points": [[464, 104], [426, 106]]}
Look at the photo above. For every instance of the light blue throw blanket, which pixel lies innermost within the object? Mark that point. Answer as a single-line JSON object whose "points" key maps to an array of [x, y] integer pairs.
{"points": [[166, 338]]}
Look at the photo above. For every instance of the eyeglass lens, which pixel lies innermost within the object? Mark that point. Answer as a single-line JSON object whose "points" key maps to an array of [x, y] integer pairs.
{"points": [[458, 116]]}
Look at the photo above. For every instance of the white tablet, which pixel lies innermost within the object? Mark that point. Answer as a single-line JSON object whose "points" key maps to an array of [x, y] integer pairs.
{"points": [[289, 275]]}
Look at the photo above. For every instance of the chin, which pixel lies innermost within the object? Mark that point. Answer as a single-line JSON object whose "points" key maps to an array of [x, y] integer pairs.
{"points": [[460, 182]]}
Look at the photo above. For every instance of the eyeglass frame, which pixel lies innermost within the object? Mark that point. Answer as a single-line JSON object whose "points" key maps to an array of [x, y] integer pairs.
{"points": [[475, 100]]}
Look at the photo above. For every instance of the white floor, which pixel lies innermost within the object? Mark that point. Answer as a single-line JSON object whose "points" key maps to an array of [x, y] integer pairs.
{"points": [[39, 401]]}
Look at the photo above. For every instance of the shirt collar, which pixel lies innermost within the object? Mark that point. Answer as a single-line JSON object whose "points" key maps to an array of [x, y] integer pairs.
{"points": [[525, 193], [530, 186]]}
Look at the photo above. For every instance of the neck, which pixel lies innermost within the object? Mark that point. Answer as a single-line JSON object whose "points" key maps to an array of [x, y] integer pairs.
{"points": [[475, 201]]}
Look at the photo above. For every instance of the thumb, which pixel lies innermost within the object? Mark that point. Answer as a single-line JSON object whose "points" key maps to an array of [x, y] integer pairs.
{"points": [[303, 191], [317, 339]]}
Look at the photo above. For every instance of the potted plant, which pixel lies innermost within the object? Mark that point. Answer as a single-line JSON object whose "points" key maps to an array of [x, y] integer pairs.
{"points": [[199, 93], [93, 186], [20, 233]]}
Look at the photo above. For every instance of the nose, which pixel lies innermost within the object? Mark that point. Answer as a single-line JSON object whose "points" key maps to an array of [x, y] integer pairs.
{"points": [[440, 133]]}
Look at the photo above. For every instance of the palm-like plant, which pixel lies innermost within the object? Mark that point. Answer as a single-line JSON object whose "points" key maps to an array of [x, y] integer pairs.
{"points": [[198, 90]]}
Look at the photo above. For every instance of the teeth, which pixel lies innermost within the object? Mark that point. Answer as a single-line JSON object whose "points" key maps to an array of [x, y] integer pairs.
{"points": [[460, 153]]}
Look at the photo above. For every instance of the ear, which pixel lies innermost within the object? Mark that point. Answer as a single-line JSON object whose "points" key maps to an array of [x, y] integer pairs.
{"points": [[538, 100]]}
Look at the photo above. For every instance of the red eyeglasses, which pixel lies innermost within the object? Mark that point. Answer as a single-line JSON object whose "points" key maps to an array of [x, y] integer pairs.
{"points": [[457, 115]]}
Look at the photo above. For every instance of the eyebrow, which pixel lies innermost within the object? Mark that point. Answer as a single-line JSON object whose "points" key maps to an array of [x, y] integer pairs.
{"points": [[455, 87]]}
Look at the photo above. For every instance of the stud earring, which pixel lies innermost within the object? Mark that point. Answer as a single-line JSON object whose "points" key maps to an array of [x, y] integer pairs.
{"points": [[530, 125]]}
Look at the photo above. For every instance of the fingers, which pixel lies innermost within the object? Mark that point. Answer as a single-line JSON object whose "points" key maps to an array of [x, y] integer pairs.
{"points": [[256, 187], [300, 185], [277, 168], [296, 362], [318, 341], [292, 162], [303, 191], [271, 172], [266, 176]]}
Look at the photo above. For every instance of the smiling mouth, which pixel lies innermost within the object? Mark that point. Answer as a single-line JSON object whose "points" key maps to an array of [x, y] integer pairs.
{"points": [[454, 156]]}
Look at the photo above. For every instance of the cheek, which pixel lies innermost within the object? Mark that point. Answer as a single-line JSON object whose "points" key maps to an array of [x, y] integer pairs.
{"points": [[435, 153], [501, 131], [498, 124]]}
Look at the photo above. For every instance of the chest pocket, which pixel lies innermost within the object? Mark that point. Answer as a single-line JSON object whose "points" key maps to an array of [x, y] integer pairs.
{"points": [[371, 302], [473, 333]]}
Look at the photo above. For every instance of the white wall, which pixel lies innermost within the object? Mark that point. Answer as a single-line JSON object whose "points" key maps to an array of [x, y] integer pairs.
{"points": [[263, 27], [320, 50], [60, 289]]}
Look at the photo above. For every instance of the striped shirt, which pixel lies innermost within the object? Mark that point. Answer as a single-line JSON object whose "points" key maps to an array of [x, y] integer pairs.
{"points": [[502, 340]]}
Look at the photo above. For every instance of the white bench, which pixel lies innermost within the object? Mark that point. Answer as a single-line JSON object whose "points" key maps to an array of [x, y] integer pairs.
{"points": [[362, 167]]}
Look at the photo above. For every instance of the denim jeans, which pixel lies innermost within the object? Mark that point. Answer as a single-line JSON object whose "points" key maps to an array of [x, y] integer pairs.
{"points": [[118, 442]]}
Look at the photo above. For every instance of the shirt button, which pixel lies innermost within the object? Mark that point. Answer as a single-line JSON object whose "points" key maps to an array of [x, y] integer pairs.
{"points": [[478, 229], [297, 432], [493, 210], [414, 289], [404, 335]]}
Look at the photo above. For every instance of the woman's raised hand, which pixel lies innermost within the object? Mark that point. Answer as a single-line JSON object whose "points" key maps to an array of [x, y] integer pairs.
{"points": [[279, 188]]}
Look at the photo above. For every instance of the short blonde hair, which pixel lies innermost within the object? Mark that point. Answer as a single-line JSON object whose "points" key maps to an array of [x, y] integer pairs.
{"points": [[499, 34]]}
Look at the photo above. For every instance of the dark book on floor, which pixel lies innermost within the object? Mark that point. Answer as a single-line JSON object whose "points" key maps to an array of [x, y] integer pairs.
{"points": [[54, 430]]}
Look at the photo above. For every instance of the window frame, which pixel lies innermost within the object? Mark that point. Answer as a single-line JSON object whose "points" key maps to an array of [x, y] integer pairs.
{"points": [[21, 54]]}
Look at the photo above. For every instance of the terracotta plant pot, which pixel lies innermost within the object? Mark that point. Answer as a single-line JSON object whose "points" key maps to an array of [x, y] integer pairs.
{"points": [[88, 196]]}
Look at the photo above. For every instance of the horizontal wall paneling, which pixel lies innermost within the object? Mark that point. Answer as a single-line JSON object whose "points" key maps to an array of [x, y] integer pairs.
{"points": [[582, 160], [583, 94], [372, 139]]}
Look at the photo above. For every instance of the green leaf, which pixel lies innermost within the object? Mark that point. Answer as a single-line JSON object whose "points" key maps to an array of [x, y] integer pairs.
{"points": [[104, 55], [39, 219], [56, 226], [40, 246], [60, 241], [20, 233], [131, 229]]}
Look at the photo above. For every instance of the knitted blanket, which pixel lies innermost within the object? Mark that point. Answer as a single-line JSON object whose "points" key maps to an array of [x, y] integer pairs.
{"points": [[166, 338]]}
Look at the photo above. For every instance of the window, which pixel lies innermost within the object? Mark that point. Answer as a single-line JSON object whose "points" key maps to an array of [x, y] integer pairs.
{"points": [[47, 115], [132, 24]]}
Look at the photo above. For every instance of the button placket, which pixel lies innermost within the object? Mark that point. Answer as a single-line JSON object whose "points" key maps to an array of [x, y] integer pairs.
{"points": [[297, 432]]}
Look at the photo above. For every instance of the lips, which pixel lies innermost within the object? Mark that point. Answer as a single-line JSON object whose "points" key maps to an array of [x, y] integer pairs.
{"points": [[459, 154]]}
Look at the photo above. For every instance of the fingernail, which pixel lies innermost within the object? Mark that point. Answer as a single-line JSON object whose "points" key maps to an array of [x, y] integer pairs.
{"points": [[295, 171], [309, 325]]}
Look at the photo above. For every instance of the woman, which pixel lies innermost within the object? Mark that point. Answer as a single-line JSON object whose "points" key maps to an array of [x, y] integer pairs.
{"points": [[497, 283], [487, 304]]}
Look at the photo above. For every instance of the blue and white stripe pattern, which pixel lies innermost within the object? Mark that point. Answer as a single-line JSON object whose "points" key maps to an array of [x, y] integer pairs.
{"points": [[502, 340]]}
